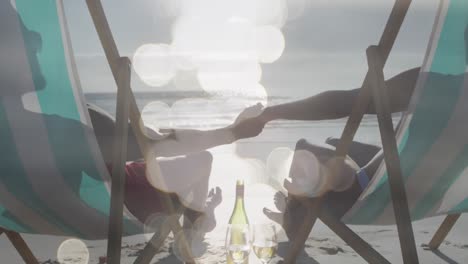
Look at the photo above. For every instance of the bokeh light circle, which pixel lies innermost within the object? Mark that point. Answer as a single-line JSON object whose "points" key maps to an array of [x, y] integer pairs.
{"points": [[186, 80], [154, 64], [278, 166], [197, 113], [307, 176], [229, 79], [201, 42], [262, 12], [270, 43], [157, 115], [73, 251], [341, 173], [200, 113]]}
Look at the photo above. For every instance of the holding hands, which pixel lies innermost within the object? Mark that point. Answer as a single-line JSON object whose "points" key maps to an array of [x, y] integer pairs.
{"points": [[249, 123]]}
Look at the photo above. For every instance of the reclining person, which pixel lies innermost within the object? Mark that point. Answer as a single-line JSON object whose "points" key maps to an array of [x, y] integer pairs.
{"points": [[363, 160], [185, 166], [186, 174]]}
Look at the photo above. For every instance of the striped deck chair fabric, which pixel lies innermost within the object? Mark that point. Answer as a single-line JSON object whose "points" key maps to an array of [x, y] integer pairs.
{"points": [[53, 179], [433, 136]]}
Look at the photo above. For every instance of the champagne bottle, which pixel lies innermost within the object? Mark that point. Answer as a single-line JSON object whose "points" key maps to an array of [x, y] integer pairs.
{"points": [[239, 216]]}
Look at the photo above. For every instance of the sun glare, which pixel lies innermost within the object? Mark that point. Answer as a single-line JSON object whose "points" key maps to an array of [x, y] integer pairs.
{"points": [[307, 175], [154, 64], [223, 42], [229, 78], [278, 165]]}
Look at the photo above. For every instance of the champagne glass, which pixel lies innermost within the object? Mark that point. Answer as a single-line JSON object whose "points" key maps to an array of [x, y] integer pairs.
{"points": [[265, 242], [238, 243]]}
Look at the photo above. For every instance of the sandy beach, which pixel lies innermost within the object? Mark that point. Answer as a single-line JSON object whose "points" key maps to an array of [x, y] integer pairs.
{"points": [[323, 246]]}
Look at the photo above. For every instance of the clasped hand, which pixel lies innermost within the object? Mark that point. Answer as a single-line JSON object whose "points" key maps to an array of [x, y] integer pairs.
{"points": [[249, 123]]}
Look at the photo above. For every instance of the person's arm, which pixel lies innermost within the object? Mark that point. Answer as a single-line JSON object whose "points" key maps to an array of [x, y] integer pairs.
{"points": [[330, 105], [168, 142], [338, 104], [185, 141]]}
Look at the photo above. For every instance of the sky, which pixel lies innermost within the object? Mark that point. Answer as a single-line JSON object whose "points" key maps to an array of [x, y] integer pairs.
{"points": [[324, 42]]}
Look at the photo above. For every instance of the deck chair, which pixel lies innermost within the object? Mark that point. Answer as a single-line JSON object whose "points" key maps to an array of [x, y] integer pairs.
{"points": [[425, 169], [53, 179]]}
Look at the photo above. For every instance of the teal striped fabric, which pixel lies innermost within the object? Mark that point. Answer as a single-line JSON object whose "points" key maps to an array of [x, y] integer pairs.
{"points": [[433, 142], [53, 179]]}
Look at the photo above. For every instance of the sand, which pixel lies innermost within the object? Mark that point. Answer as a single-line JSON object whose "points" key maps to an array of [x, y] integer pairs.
{"points": [[322, 246]]}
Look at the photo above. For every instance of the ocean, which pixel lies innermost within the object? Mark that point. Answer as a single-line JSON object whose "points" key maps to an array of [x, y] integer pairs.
{"points": [[197, 110]]}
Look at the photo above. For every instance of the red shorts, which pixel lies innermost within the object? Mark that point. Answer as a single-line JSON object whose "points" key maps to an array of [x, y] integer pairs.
{"points": [[141, 198]]}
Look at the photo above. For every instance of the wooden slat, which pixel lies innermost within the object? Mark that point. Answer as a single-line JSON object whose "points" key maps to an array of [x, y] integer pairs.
{"points": [[359, 245], [361, 105], [392, 160], [443, 231], [21, 247], [112, 54], [387, 40], [154, 244], [313, 206], [118, 164]]}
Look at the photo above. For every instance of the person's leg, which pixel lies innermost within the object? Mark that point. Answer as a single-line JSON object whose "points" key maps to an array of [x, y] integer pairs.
{"points": [[306, 163], [311, 176], [194, 193], [187, 178], [104, 127], [144, 201], [204, 221]]}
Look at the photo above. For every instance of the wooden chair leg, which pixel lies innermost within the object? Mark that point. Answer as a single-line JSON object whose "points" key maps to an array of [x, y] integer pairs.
{"points": [[392, 160], [361, 247], [312, 207], [443, 231], [21, 247], [154, 244]]}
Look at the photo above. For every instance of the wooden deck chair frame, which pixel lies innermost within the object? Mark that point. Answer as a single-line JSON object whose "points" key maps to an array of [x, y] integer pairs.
{"points": [[127, 109], [20, 245], [372, 88], [374, 84], [443, 231]]}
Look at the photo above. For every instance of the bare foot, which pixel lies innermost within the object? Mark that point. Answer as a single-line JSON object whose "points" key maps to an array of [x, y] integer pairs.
{"points": [[280, 201], [290, 218], [274, 216], [207, 221], [215, 197], [280, 204]]}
